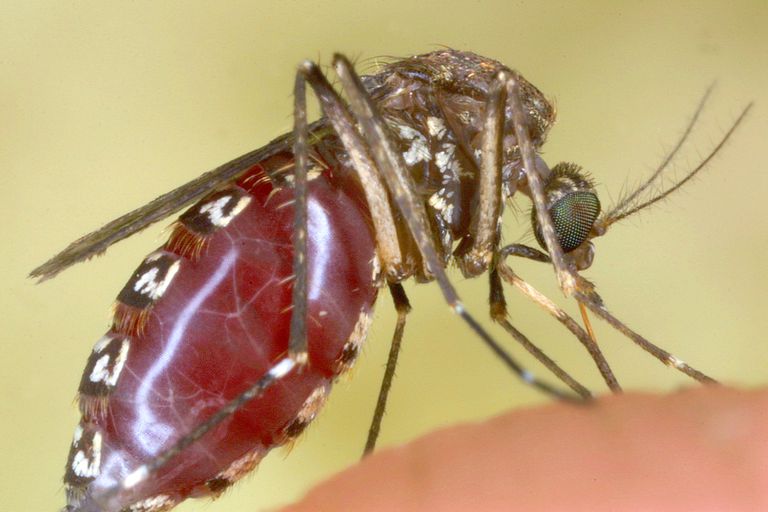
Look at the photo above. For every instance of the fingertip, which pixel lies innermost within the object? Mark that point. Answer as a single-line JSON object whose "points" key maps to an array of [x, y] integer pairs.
{"points": [[698, 449]]}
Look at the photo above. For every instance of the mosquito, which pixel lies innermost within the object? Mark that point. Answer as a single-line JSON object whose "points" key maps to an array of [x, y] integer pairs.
{"points": [[226, 340]]}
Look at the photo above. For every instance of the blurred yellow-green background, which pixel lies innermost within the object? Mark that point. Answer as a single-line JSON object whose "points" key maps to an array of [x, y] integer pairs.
{"points": [[105, 105]]}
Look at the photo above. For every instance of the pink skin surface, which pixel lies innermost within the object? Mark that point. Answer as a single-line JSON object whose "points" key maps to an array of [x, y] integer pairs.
{"points": [[703, 449]]}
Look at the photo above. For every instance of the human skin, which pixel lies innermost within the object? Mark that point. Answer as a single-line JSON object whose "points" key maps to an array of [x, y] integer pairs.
{"points": [[702, 449]]}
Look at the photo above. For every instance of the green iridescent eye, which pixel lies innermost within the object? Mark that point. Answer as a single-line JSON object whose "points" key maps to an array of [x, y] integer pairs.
{"points": [[573, 205]]}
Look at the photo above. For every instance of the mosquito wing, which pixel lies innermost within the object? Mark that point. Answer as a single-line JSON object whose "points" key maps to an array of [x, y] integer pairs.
{"points": [[132, 222]]}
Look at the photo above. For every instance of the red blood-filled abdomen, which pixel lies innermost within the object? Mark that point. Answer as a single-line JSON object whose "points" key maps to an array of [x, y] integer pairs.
{"points": [[207, 316]]}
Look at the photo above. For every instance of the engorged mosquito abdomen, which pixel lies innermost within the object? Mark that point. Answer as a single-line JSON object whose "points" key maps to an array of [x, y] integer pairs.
{"points": [[206, 316]]}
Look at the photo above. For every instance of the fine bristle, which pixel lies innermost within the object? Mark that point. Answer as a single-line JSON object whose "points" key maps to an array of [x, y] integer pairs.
{"points": [[129, 320], [185, 243]]}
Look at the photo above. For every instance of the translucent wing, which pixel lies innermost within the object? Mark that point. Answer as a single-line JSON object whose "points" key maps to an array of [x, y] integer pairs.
{"points": [[132, 222]]}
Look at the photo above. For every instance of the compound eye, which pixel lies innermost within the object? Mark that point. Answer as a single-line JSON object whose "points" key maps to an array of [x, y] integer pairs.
{"points": [[573, 205]]}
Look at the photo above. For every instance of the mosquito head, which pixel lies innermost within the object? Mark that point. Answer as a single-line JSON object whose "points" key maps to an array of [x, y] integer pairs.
{"points": [[574, 207]]}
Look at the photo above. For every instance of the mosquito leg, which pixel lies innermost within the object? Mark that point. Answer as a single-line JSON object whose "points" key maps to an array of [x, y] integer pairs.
{"points": [[662, 355], [600, 310], [586, 338], [403, 307], [561, 316], [569, 280], [479, 255], [337, 113], [390, 164], [523, 251], [297, 342], [499, 314], [485, 230], [485, 216], [385, 232]]}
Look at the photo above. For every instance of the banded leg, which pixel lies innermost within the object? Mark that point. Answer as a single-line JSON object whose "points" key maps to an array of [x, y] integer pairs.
{"points": [[336, 111], [484, 232], [586, 338], [500, 315], [561, 316], [600, 310], [400, 184], [403, 307], [659, 353]]}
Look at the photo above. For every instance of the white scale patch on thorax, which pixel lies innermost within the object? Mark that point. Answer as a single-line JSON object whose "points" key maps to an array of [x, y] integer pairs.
{"points": [[441, 201], [446, 161], [418, 151], [437, 202], [436, 127]]}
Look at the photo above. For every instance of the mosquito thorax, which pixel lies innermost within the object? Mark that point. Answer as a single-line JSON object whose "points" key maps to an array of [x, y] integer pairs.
{"points": [[435, 106], [574, 207], [454, 84]]}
